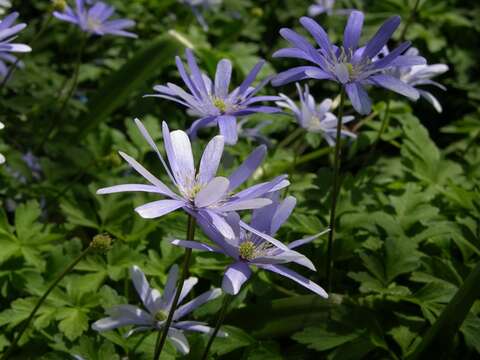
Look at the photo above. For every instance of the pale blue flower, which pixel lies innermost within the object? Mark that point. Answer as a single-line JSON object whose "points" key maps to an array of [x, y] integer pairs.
{"points": [[156, 308], [8, 32]]}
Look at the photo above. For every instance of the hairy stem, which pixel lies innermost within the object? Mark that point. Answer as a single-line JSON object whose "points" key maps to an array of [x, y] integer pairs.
{"points": [[220, 319], [162, 335], [42, 299], [335, 190]]}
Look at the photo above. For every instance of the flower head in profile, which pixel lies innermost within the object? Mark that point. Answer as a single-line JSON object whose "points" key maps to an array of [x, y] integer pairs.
{"points": [[198, 6], [253, 245], [8, 32], [315, 118], [156, 309], [207, 197], [95, 19], [211, 101], [419, 75], [351, 65]]}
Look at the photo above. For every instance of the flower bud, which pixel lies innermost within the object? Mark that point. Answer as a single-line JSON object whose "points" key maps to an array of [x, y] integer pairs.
{"points": [[101, 242], [59, 5]]}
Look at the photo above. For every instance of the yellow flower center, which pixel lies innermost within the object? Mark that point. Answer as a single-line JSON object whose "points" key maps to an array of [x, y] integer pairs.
{"points": [[219, 104], [161, 316], [247, 250]]}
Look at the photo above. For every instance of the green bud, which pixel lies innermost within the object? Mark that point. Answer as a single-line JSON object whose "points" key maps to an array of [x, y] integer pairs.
{"points": [[257, 12], [101, 243], [59, 5]]}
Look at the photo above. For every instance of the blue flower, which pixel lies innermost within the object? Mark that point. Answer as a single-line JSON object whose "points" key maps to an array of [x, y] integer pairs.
{"points": [[315, 118], [95, 19], [350, 65], [8, 33], [157, 308], [207, 197], [212, 102], [198, 5], [253, 245], [326, 7]]}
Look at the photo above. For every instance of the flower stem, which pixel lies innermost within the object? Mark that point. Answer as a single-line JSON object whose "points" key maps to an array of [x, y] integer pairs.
{"points": [[162, 335], [221, 316], [42, 299], [335, 190], [410, 20], [290, 138], [34, 40], [67, 98]]}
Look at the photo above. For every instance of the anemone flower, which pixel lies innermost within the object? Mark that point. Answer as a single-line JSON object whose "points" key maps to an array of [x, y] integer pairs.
{"points": [[8, 33], [350, 65], [254, 245], [315, 118], [326, 7], [156, 309], [211, 101], [207, 197], [95, 19], [420, 75]]}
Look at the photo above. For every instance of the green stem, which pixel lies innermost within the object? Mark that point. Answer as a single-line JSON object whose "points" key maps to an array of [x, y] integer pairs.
{"points": [[42, 299], [335, 190], [67, 98], [410, 20], [19, 57], [290, 138], [221, 318], [313, 155], [162, 335]]}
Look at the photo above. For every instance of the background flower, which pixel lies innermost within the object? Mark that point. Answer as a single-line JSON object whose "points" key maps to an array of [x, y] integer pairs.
{"points": [[157, 307], [350, 65], [95, 19], [315, 118], [212, 101], [8, 32]]}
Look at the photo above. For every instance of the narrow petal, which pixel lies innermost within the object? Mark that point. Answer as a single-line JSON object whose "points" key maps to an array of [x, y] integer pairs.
{"points": [[195, 303], [169, 291], [235, 276], [148, 295], [245, 204], [392, 83], [251, 77], [359, 98], [196, 245], [178, 340], [210, 160], [228, 128], [286, 272], [282, 213], [144, 172], [248, 167], [184, 170], [134, 188], [300, 242], [222, 78], [353, 30], [382, 36], [317, 32], [158, 208], [220, 224]]}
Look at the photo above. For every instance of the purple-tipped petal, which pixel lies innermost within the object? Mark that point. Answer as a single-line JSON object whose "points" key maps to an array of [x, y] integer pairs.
{"points": [[158, 208], [353, 30], [359, 98], [286, 272], [248, 167], [382, 36], [235, 276], [228, 128], [320, 36]]}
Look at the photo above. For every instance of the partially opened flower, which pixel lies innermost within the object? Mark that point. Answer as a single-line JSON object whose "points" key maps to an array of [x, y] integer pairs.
{"points": [[351, 65], [253, 245], [211, 101], [95, 19], [207, 197], [315, 118], [420, 75], [156, 309], [8, 32]]}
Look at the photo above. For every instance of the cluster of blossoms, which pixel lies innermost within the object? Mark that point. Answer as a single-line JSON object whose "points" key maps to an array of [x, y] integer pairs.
{"points": [[213, 200]]}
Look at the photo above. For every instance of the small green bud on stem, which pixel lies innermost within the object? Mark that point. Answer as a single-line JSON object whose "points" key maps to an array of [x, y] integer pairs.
{"points": [[101, 243]]}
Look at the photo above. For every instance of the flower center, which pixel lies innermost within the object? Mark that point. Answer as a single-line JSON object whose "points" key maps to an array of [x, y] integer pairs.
{"points": [[219, 104], [247, 250], [93, 24], [161, 316]]}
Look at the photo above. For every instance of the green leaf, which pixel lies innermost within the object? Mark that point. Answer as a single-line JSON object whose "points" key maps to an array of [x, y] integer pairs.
{"points": [[320, 339], [134, 74], [73, 322], [237, 338]]}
